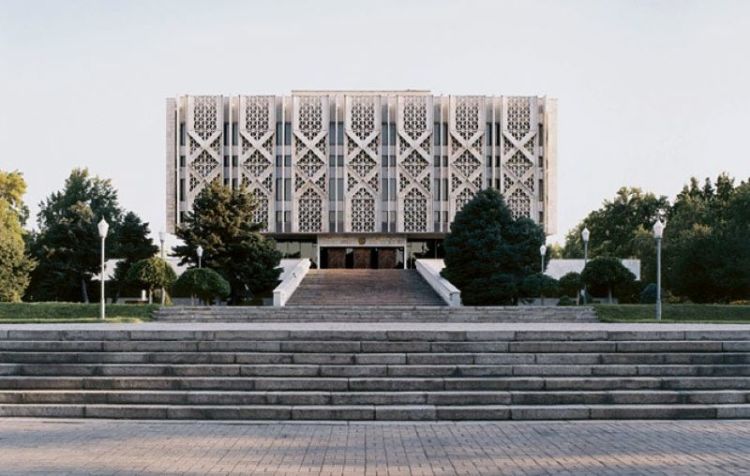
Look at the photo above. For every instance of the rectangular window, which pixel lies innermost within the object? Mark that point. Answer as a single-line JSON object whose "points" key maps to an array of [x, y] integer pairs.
{"points": [[498, 134], [287, 189], [183, 133], [445, 133], [234, 183], [339, 161], [436, 216], [487, 134], [226, 133], [541, 190], [392, 184], [288, 133], [234, 161], [278, 133], [331, 133], [182, 189], [235, 134], [287, 160], [278, 161], [392, 159], [226, 182], [278, 217], [444, 195], [279, 189], [226, 161], [436, 133], [340, 188], [384, 189], [182, 161], [436, 192]]}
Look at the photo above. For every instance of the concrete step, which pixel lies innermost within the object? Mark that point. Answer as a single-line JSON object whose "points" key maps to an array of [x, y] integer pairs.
{"points": [[377, 412], [352, 370], [377, 313], [439, 344], [336, 287], [550, 398], [374, 384], [442, 353]]}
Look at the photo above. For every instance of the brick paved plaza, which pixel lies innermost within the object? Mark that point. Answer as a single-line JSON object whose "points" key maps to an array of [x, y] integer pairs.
{"points": [[128, 447]]}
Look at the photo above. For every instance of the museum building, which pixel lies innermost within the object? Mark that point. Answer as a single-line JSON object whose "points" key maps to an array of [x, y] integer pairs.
{"points": [[363, 179]]}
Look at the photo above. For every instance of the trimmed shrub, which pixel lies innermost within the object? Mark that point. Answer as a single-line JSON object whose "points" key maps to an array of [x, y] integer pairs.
{"points": [[151, 273], [205, 283]]}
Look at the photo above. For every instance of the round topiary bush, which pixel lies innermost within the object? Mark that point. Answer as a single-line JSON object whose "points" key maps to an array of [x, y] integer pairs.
{"points": [[204, 283]]}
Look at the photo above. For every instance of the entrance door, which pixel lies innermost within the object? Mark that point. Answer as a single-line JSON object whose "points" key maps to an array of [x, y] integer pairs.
{"points": [[336, 258], [362, 258], [386, 258]]}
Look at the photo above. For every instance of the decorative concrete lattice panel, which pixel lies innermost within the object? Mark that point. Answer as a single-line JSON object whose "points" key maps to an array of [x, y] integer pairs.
{"points": [[466, 150], [309, 164], [204, 134], [414, 163], [362, 126], [519, 155], [257, 125]]}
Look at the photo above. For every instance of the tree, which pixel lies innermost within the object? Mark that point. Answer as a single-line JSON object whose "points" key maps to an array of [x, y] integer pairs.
{"points": [[205, 283], [222, 222], [606, 273], [15, 264], [571, 285], [133, 244], [152, 273], [621, 228], [706, 256], [67, 244], [488, 253], [539, 285]]}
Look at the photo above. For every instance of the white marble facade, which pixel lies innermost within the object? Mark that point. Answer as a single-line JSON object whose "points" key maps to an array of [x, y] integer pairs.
{"points": [[372, 163]]}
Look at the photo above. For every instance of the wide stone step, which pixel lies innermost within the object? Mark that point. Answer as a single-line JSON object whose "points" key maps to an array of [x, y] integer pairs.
{"points": [[439, 398], [373, 384], [415, 370], [443, 343], [491, 353], [377, 412]]}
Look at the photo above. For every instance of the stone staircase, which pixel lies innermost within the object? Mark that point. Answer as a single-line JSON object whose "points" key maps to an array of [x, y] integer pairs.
{"points": [[374, 372], [364, 287]]}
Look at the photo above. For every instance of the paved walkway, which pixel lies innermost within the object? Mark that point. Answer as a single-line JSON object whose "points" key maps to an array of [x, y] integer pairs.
{"points": [[596, 448]]}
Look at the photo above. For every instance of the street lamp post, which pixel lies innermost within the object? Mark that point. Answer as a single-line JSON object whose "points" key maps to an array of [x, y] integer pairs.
{"points": [[199, 252], [658, 233], [542, 252], [162, 238], [103, 227], [585, 236]]}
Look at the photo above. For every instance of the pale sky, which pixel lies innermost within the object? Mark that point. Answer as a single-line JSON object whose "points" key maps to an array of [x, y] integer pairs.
{"points": [[650, 92]]}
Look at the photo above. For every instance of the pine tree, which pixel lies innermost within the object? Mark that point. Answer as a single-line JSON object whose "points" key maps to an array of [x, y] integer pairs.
{"points": [[488, 253], [222, 223], [132, 244]]}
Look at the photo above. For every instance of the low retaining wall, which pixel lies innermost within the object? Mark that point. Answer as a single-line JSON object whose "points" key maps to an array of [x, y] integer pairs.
{"points": [[430, 269], [293, 274]]}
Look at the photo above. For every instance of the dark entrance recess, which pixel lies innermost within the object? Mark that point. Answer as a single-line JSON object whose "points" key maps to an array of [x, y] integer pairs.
{"points": [[362, 258]]}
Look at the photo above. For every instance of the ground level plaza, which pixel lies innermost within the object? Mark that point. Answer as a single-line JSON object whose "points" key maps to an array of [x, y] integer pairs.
{"points": [[596, 448]]}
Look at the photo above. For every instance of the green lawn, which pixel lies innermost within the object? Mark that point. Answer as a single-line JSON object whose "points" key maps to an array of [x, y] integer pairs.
{"points": [[53, 312], [673, 313]]}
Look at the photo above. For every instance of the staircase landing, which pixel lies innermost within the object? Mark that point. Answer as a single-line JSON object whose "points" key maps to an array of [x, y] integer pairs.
{"points": [[364, 287]]}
